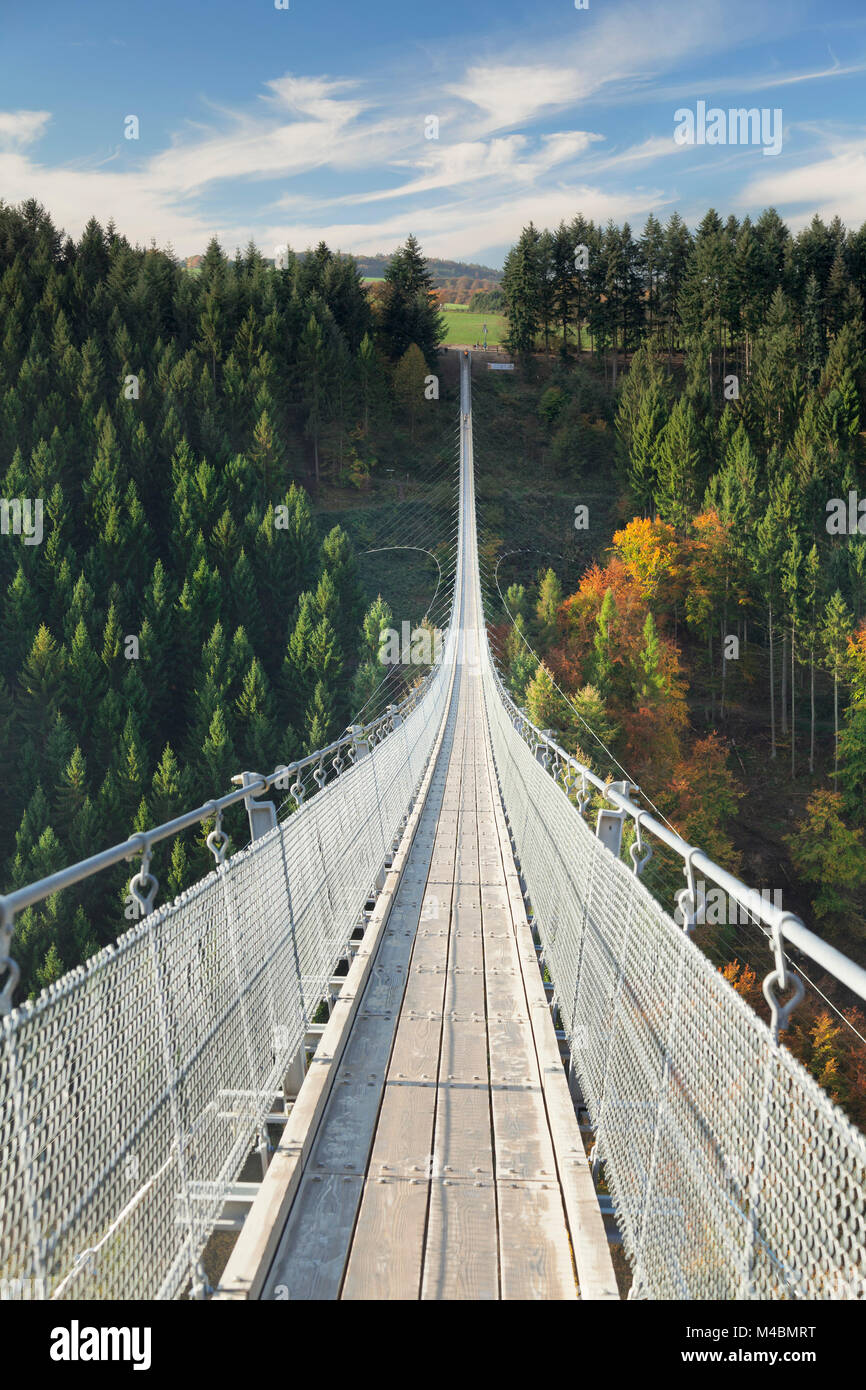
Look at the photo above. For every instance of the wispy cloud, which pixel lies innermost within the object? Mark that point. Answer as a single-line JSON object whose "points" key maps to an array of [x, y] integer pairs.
{"points": [[833, 183], [19, 128]]}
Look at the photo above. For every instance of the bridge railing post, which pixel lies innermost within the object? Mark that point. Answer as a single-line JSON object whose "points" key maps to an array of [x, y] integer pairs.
{"points": [[262, 814], [360, 743], [609, 825]]}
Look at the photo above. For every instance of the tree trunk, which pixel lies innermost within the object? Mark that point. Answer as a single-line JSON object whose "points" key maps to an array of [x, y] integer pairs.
{"points": [[812, 718], [793, 702], [772, 692], [835, 726], [784, 701], [724, 650], [712, 681]]}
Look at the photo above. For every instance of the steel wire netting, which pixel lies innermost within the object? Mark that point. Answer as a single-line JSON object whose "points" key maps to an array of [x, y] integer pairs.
{"points": [[132, 1090], [732, 1173]]}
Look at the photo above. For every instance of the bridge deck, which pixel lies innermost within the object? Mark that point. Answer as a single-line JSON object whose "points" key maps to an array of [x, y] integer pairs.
{"points": [[433, 1151], [433, 1168]]}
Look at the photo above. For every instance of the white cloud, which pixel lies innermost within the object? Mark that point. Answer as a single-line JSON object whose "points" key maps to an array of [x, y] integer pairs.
{"points": [[623, 48], [18, 128], [466, 228], [832, 184]]}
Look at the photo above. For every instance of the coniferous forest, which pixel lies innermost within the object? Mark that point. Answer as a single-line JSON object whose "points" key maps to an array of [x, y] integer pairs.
{"points": [[185, 614]]}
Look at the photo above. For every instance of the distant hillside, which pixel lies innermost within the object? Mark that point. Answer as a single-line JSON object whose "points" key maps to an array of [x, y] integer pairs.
{"points": [[457, 280], [374, 267]]}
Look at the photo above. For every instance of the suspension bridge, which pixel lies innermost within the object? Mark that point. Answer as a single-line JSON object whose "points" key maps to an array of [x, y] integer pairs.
{"points": [[500, 986]]}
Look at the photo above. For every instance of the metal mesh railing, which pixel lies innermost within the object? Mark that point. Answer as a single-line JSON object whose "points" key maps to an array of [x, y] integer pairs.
{"points": [[132, 1090], [732, 1173]]}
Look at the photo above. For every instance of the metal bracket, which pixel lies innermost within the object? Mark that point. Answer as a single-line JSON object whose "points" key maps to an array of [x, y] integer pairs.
{"points": [[542, 750], [262, 814], [360, 743], [609, 824]]}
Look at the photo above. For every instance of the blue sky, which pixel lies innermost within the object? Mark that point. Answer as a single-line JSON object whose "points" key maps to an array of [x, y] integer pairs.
{"points": [[292, 125]]}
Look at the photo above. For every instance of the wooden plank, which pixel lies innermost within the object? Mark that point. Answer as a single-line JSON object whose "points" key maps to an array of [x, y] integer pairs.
{"points": [[403, 1143], [534, 1249], [521, 1138], [464, 1051], [430, 951], [384, 990], [311, 1255], [461, 1259], [466, 950], [346, 1131], [512, 1052], [500, 951], [505, 998], [415, 1056], [385, 1261], [462, 1146], [425, 991], [436, 909], [396, 947], [464, 993]]}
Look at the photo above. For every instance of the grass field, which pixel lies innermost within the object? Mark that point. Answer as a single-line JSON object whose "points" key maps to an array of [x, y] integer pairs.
{"points": [[463, 327]]}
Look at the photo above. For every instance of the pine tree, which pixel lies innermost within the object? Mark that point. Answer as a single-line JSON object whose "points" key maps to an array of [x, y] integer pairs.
{"points": [[409, 383], [545, 706], [812, 594], [298, 679], [679, 466], [313, 367], [643, 461], [169, 789], [256, 735], [319, 720], [267, 454], [603, 660], [339, 563], [410, 313], [831, 856], [834, 637], [792, 582], [42, 682], [218, 761], [520, 284], [813, 336], [549, 599], [652, 681]]}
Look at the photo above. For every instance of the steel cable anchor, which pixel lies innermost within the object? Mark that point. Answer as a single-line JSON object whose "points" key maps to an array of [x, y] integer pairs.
{"points": [[218, 840], [634, 849], [144, 885], [780, 1013], [690, 902]]}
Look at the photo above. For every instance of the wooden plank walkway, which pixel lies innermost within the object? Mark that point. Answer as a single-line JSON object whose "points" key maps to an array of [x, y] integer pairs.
{"points": [[435, 1170], [433, 1151]]}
